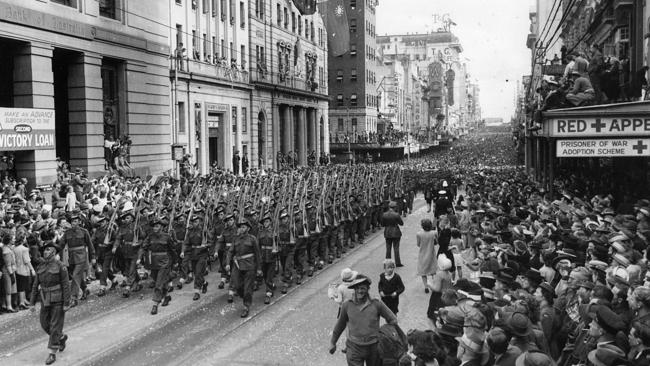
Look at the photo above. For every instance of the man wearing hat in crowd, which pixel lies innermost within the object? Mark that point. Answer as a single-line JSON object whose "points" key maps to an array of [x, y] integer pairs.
{"points": [[198, 250], [53, 286], [361, 317], [159, 248], [391, 221], [224, 242], [269, 252], [127, 240], [582, 91], [246, 258], [80, 248]]}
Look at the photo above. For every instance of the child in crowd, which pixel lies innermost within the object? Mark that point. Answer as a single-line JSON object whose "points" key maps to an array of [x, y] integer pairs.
{"points": [[340, 293], [390, 286], [456, 242]]}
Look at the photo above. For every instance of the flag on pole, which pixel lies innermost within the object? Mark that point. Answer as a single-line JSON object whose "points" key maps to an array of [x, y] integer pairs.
{"points": [[336, 22], [305, 7]]}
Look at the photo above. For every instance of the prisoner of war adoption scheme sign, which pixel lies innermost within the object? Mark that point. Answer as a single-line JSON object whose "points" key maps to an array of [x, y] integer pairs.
{"points": [[600, 126], [26, 129], [607, 147]]}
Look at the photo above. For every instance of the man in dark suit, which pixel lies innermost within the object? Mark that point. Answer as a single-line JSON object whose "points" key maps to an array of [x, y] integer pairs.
{"points": [[391, 220]]}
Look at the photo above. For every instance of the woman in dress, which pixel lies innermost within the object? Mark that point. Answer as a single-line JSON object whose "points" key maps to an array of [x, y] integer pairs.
{"points": [[441, 282], [427, 241]]}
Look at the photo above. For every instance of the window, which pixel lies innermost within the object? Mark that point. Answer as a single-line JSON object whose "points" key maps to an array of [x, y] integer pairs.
{"points": [[215, 48], [109, 9], [293, 21], [223, 10], [339, 100], [179, 34], [233, 12], [353, 4], [242, 15], [214, 8], [339, 75], [224, 51], [181, 117], [353, 50], [286, 18], [279, 12], [179, 2], [353, 25], [353, 75], [353, 99], [206, 47], [299, 25], [205, 6], [233, 53], [194, 4], [311, 30], [320, 37], [321, 75], [306, 28], [261, 5], [70, 3], [234, 119], [195, 45], [354, 124], [244, 120], [340, 125], [243, 57]]}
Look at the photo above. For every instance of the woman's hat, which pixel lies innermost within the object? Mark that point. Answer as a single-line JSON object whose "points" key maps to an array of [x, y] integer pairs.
{"points": [[519, 324], [444, 263], [348, 275]]}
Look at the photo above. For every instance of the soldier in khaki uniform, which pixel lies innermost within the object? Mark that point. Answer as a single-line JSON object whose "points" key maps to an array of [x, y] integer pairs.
{"points": [[269, 255], [159, 248], [53, 284], [128, 241], [287, 251], [199, 250], [246, 258], [224, 242], [80, 247]]}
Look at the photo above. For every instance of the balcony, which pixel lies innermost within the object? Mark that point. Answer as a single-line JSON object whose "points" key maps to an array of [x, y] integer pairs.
{"points": [[219, 70], [288, 81]]}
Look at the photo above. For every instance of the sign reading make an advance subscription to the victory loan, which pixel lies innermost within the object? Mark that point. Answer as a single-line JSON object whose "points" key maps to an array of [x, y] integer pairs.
{"points": [[606, 147], [26, 129], [600, 126]]}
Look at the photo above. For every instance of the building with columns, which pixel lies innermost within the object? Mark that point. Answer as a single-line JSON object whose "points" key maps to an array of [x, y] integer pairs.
{"points": [[288, 69], [102, 66], [209, 77]]}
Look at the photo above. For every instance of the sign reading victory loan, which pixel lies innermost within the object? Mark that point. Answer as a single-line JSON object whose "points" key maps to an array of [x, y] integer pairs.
{"points": [[26, 129], [603, 148]]}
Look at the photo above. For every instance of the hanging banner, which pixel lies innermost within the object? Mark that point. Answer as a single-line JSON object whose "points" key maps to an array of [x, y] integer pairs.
{"points": [[26, 129], [603, 148], [603, 126]]}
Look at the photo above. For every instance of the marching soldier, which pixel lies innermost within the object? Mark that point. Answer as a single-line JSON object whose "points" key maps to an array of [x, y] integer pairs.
{"points": [[269, 255], [78, 241], [198, 250], [224, 242], [127, 240], [101, 239], [287, 251], [245, 255], [313, 239], [53, 285], [178, 232], [301, 252], [159, 247]]}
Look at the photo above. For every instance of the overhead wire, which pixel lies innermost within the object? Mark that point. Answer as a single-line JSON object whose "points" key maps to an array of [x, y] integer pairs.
{"points": [[548, 22]]}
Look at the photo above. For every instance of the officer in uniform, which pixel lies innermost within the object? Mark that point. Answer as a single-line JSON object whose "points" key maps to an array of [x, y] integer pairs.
{"points": [[269, 255], [246, 258], [78, 241], [159, 248], [102, 242], [53, 285], [224, 242], [127, 240], [198, 250], [287, 250]]}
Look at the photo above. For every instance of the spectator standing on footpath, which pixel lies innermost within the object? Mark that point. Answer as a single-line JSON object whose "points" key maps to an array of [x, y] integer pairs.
{"points": [[427, 241], [361, 317], [391, 221]]}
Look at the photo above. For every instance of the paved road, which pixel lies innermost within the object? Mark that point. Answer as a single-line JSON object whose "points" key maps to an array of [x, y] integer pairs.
{"points": [[294, 330]]}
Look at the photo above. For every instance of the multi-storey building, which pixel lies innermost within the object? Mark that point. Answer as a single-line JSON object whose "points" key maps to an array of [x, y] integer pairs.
{"points": [[419, 52], [289, 74], [210, 80], [101, 66], [353, 76]]}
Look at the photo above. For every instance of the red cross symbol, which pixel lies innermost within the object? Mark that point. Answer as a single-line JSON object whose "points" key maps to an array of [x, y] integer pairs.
{"points": [[639, 147], [598, 125]]}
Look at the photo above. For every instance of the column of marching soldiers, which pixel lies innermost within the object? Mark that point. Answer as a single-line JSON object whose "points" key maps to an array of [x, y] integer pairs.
{"points": [[260, 230]]}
